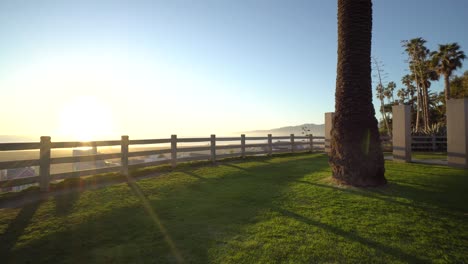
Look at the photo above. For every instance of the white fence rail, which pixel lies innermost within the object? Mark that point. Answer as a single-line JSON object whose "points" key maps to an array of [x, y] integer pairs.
{"points": [[211, 151], [420, 143]]}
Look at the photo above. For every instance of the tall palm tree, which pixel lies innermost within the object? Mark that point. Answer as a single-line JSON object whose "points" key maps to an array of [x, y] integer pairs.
{"points": [[447, 59], [422, 71], [407, 81], [381, 96], [356, 156], [402, 94], [388, 92], [380, 89]]}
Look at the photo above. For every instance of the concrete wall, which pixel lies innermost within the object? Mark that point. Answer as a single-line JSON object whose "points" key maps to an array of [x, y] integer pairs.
{"points": [[328, 128], [457, 132], [401, 133]]}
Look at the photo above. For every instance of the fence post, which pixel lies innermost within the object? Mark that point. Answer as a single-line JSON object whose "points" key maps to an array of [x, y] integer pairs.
{"points": [[44, 164], [434, 143], [173, 150], [457, 132], [243, 146], [328, 128], [270, 145], [401, 133], [292, 143], [124, 155], [213, 148], [311, 141]]}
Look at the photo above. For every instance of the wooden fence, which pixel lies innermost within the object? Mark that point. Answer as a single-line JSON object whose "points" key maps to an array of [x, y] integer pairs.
{"points": [[429, 143], [292, 143], [420, 143]]}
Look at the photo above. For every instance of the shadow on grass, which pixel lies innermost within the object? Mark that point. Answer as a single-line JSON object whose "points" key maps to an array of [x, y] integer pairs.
{"points": [[171, 221], [395, 252], [190, 173], [16, 229], [64, 203], [187, 214], [155, 219], [434, 185], [424, 200], [234, 166], [419, 168]]}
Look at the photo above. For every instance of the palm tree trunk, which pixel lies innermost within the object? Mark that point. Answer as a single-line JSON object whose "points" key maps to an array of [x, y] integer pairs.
{"points": [[425, 107], [418, 106], [384, 116], [447, 87], [356, 154]]}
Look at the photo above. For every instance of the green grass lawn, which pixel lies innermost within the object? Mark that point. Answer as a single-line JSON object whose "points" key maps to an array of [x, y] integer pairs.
{"points": [[271, 210], [429, 155], [421, 155]]}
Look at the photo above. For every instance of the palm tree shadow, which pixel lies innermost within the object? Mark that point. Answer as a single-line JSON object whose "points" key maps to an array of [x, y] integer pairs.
{"points": [[396, 252], [411, 171], [64, 203], [423, 200], [234, 166], [16, 228], [192, 174], [187, 218]]}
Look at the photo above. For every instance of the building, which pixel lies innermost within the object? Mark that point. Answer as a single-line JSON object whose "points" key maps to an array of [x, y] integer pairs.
{"points": [[87, 165], [17, 173]]}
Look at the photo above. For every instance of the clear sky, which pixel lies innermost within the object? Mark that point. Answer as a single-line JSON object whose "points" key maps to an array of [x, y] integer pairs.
{"points": [[94, 69]]}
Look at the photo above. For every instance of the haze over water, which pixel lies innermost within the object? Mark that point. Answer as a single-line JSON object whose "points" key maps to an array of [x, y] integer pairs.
{"points": [[90, 70]]}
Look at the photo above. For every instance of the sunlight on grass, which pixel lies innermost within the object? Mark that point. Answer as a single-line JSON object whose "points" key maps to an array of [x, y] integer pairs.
{"points": [[281, 209]]}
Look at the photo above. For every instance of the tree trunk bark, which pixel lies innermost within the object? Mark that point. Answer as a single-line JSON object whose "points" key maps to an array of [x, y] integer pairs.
{"points": [[428, 119], [447, 88], [384, 116], [418, 106], [356, 154], [425, 107]]}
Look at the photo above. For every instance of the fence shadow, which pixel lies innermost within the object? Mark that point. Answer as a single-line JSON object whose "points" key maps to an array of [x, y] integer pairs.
{"points": [[16, 228], [190, 217], [184, 219], [64, 202]]}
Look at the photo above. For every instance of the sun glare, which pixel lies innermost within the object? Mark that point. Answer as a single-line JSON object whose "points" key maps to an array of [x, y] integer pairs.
{"points": [[85, 119]]}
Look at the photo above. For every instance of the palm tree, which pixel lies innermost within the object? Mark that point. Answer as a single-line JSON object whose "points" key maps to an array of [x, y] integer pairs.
{"points": [[422, 72], [407, 81], [380, 93], [446, 60], [381, 96], [402, 94], [356, 156], [459, 86], [388, 92]]}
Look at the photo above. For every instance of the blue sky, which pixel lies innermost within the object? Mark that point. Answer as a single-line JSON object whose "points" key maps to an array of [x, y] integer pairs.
{"points": [[89, 69]]}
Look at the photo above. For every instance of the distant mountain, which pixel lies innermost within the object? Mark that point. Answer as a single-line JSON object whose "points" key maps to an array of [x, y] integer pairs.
{"points": [[14, 138], [316, 130]]}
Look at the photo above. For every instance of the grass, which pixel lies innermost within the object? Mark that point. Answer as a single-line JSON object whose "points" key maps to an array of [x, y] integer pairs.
{"points": [[282, 209], [422, 155], [429, 155]]}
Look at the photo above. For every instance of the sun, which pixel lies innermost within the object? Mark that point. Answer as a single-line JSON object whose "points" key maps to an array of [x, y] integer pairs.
{"points": [[85, 118]]}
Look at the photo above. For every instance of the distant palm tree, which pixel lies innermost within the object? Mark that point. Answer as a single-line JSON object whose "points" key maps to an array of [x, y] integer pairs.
{"points": [[422, 72], [356, 156], [447, 59], [388, 92], [407, 81], [402, 94], [380, 89], [381, 96]]}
